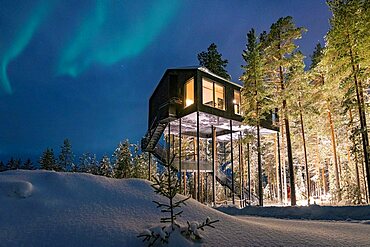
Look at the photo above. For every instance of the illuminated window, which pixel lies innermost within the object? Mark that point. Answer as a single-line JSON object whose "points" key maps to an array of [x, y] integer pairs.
{"points": [[189, 92], [236, 102], [213, 94], [220, 96], [208, 93]]}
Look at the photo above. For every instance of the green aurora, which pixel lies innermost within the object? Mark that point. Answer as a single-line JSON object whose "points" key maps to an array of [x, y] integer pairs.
{"points": [[23, 36], [107, 33], [105, 41]]}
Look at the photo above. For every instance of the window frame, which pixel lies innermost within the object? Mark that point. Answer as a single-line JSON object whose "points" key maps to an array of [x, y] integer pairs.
{"points": [[214, 83], [212, 92], [237, 104], [191, 80]]}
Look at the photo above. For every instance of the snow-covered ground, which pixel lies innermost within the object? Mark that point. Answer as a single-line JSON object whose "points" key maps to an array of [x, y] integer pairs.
{"points": [[313, 212], [40, 208]]}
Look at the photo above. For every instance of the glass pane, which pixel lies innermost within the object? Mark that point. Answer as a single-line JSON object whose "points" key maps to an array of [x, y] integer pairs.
{"points": [[189, 92], [236, 102], [220, 96], [207, 92]]}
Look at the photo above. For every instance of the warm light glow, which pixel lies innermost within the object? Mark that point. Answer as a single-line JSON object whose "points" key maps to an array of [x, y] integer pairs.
{"points": [[236, 102], [219, 96], [207, 88], [213, 94], [189, 92], [188, 102]]}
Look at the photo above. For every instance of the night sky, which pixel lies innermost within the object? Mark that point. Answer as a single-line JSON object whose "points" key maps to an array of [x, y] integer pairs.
{"points": [[85, 69]]}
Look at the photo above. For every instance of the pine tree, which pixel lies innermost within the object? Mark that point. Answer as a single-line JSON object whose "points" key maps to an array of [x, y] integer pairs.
{"points": [[48, 161], [255, 104], [84, 163], [140, 163], [94, 165], [279, 49], [88, 163], [168, 186], [212, 60], [348, 46], [28, 165], [122, 159], [105, 167], [66, 157], [10, 164], [299, 98], [2, 166], [13, 164], [327, 96]]}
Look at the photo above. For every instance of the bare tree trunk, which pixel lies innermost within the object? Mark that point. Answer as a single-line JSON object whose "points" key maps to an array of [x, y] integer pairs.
{"points": [[362, 114], [364, 176], [283, 162], [277, 167], [321, 170], [337, 185], [259, 162], [293, 201], [305, 155], [356, 158]]}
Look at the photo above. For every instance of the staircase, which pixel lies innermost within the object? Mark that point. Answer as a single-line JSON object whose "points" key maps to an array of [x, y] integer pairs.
{"points": [[166, 113], [225, 180]]}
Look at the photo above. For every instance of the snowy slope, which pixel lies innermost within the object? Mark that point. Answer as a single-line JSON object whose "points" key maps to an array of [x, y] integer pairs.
{"points": [[40, 208]]}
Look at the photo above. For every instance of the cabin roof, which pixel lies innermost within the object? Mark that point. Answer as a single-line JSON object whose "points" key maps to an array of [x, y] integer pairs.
{"points": [[205, 70]]}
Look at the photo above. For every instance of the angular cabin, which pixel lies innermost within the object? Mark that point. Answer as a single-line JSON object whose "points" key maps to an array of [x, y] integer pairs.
{"points": [[199, 115]]}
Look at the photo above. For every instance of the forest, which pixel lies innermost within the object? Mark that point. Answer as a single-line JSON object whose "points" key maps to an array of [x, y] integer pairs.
{"points": [[322, 109]]}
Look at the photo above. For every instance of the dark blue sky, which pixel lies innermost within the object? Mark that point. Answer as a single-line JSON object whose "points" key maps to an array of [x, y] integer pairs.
{"points": [[84, 70]]}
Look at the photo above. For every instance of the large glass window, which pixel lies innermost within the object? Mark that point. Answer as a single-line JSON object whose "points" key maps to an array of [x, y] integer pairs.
{"points": [[213, 94], [220, 96], [189, 92], [236, 102], [208, 93]]}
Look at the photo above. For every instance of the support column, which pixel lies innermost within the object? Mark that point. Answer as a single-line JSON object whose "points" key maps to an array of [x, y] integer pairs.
{"points": [[206, 189], [150, 161], [241, 170], [194, 193], [249, 174], [232, 161], [180, 154], [195, 185], [198, 159], [201, 198], [214, 160], [185, 190], [169, 144]]}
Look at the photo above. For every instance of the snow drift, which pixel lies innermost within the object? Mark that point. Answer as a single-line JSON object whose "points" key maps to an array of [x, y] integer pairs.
{"points": [[41, 208]]}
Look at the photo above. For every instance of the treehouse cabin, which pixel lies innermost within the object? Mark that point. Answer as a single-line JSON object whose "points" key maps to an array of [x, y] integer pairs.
{"points": [[196, 116]]}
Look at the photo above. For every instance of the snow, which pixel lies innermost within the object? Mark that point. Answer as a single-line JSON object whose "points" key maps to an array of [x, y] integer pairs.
{"points": [[16, 188], [43, 208], [312, 212]]}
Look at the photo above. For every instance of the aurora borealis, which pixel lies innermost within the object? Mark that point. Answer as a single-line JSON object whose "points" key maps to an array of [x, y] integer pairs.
{"points": [[125, 41], [129, 34], [85, 69], [24, 31]]}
